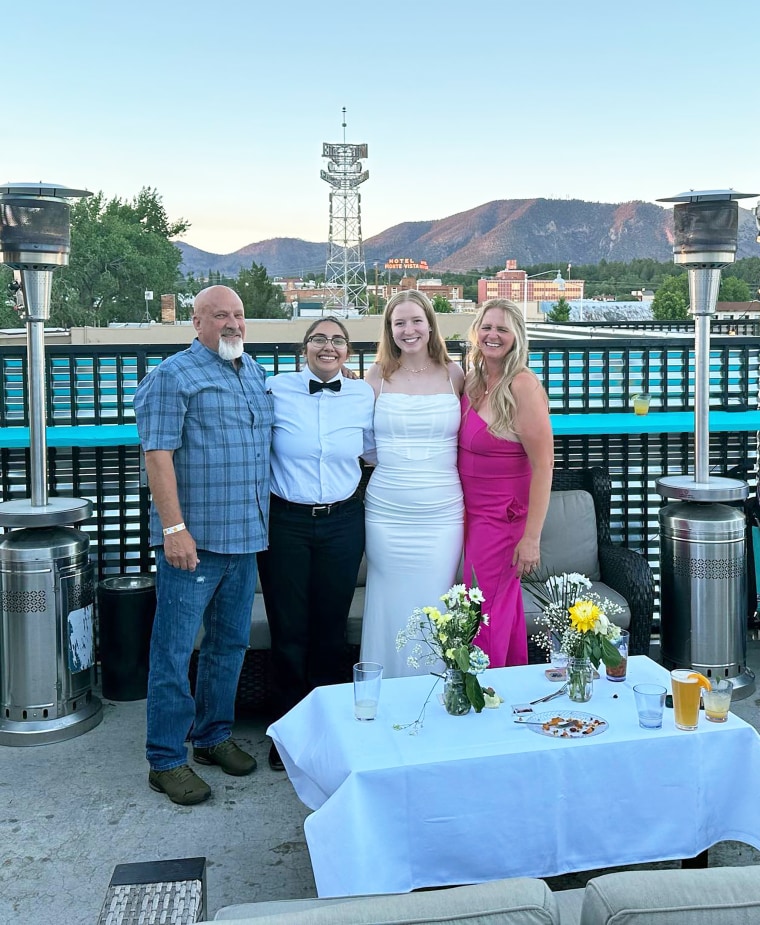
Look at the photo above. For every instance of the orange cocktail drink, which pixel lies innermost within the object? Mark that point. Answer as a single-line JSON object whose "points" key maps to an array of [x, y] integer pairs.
{"points": [[687, 690]]}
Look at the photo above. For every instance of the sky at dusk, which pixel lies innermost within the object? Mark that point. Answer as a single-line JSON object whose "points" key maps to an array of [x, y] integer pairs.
{"points": [[223, 107]]}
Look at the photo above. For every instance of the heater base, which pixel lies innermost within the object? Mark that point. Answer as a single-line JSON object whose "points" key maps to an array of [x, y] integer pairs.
{"points": [[48, 731], [57, 512], [685, 488]]}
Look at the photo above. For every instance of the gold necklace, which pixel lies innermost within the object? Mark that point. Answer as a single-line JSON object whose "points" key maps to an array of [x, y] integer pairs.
{"points": [[488, 387], [410, 370]]}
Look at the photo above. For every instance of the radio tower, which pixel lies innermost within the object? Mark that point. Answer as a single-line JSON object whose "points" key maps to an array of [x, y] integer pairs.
{"points": [[345, 272]]}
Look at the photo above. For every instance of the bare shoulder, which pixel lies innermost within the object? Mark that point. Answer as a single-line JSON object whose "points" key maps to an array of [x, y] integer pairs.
{"points": [[526, 383], [374, 377], [456, 374]]}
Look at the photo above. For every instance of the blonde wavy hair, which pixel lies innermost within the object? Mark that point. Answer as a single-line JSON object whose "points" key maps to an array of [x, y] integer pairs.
{"points": [[503, 404], [388, 351]]}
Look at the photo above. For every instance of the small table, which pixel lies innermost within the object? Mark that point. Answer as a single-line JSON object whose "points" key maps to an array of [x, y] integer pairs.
{"points": [[479, 797]]}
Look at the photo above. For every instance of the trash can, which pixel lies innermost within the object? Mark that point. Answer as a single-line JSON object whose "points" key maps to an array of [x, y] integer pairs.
{"points": [[126, 608], [704, 591]]}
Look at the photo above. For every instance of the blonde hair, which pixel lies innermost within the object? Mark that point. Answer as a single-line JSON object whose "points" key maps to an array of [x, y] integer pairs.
{"points": [[388, 351], [503, 404]]}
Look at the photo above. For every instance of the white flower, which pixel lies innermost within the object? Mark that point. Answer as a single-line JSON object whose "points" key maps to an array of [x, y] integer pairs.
{"points": [[602, 626], [476, 596]]}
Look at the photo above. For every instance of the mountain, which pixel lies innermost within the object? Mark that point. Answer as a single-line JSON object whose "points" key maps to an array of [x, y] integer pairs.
{"points": [[531, 231]]}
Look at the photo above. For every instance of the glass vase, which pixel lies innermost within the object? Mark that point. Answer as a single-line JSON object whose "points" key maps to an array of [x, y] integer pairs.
{"points": [[580, 679], [454, 693]]}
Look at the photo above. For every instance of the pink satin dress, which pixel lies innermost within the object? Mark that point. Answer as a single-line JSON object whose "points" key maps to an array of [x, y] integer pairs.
{"points": [[495, 477]]}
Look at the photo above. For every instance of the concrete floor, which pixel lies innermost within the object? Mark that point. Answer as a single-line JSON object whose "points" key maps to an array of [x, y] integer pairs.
{"points": [[71, 811]]}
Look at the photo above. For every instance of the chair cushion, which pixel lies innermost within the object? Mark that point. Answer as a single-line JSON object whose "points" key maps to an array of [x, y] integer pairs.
{"points": [[568, 538], [518, 901], [718, 896]]}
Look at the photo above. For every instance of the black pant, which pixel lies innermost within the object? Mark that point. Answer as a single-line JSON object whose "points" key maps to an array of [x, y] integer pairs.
{"points": [[308, 576]]}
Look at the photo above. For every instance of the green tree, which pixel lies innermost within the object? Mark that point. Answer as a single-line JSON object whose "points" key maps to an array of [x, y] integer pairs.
{"points": [[119, 249], [733, 290], [671, 301], [560, 312], [9, 316], [261, 297], [441, 305]]}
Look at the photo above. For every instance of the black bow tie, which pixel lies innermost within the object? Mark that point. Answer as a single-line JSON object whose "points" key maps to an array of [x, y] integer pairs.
{"points": [[315, 385]]}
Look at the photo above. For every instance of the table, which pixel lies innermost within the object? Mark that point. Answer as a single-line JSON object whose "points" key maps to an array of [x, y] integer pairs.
{"points": [[478, 797]]}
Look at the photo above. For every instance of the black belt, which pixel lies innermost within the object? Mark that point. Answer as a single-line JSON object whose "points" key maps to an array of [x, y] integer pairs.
{"points": [[314, 510]]}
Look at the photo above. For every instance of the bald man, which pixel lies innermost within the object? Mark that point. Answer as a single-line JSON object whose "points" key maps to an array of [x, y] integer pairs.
{"points": [[205, 425]]}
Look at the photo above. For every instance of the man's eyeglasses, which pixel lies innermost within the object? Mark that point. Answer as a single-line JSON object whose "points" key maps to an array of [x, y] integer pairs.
{"points": [[319, 340]]}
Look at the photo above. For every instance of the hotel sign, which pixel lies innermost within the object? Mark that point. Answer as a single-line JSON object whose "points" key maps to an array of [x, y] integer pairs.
{"points": [[405, 263]]}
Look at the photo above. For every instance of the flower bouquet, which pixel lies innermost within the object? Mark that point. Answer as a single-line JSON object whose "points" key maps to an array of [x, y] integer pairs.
{"points": [[448, 637], [580, 619]]}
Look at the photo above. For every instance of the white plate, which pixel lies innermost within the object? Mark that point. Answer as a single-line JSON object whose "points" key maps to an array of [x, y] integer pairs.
{"points": [[584, 725]]}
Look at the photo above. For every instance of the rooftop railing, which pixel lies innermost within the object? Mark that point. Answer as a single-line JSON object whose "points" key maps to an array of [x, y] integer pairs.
{"points": [[589, 387]]}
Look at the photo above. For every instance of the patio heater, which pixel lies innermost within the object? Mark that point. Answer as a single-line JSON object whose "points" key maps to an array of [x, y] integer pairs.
{"points": [[702, 538], [46, 580]]}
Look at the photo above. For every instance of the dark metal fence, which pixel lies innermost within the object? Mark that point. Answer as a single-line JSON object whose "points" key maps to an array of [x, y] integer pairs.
{"points": [[95, 386]]}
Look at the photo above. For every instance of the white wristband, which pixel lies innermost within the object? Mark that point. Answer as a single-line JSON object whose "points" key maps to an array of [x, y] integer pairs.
{"points": [[175, 529]]}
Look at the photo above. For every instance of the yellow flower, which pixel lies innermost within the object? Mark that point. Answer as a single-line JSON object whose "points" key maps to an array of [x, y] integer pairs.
{"points": [[433, 612], [583, 615], [450, 654]]}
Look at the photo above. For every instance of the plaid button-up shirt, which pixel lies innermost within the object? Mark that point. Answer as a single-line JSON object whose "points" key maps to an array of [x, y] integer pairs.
{"points": [[218, 422]]}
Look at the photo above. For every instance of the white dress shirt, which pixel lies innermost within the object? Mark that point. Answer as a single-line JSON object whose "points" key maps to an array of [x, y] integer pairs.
{"points": [[317, 439]]}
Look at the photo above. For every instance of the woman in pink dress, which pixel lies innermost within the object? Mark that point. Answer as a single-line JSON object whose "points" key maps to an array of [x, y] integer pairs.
{"points": [[506, 457]]}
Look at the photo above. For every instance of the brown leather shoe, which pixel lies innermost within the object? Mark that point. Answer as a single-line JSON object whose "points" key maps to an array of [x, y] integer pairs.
{"points": [[275, 762], [230, 758], [182, 785]]}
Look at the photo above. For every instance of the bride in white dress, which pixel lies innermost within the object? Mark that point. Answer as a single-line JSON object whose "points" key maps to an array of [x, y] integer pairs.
{"points": [[413, 506]]}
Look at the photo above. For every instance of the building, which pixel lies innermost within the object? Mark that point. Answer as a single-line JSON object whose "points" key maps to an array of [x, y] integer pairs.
{"points": [[516, 285]]}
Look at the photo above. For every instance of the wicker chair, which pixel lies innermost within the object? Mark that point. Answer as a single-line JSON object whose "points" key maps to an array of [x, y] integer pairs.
{"points": [[623, 570]]}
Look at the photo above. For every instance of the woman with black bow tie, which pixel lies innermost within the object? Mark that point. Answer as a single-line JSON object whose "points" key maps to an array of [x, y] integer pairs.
{"points": [[322, 425]]}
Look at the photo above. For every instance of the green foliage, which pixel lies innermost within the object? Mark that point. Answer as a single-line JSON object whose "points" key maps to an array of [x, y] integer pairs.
{"points": [[671, 301], [733, 290], [9, 317], [474, 692], [118, 250], [441, 305], [261, 297], [560, 312]]}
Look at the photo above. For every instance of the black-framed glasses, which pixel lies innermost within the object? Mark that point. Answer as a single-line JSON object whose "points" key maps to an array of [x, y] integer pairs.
{"points": [[319, 340]]}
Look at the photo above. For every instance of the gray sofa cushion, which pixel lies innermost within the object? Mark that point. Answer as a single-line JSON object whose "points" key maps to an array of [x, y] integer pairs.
{"points": [[718, 896], [519, 901], [568, 537], [569, 544]]}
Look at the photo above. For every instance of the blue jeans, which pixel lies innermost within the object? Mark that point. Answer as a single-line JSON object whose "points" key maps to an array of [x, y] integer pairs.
{"points": [[219, 595]]}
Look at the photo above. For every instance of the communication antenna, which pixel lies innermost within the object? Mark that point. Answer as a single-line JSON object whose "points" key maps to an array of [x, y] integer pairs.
{"points": [[345, 271]]}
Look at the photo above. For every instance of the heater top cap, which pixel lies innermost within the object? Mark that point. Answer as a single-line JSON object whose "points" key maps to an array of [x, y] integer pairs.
{"points": [[47, 190], [707, 195]]}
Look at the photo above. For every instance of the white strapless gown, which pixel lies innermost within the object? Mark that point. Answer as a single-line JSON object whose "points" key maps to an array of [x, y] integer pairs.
{"points": [[414, 519]]}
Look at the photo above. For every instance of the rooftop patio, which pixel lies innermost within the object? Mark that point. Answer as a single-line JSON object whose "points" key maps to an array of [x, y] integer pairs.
{"points": [[73, 810]]}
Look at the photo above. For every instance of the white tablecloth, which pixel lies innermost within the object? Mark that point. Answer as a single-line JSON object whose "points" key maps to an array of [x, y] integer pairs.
{"points": [[478, 797]]}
